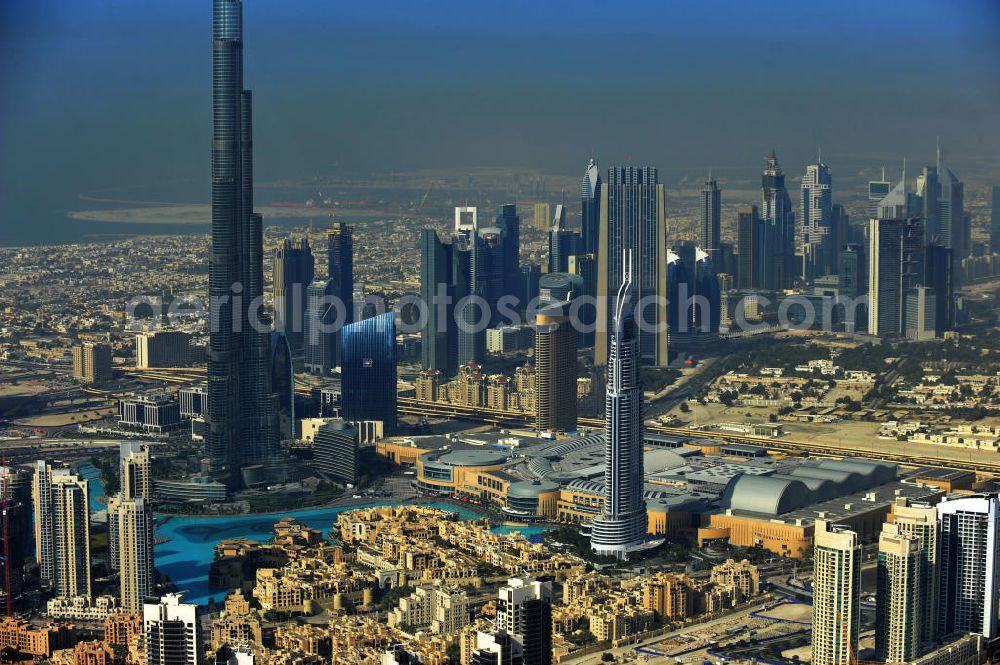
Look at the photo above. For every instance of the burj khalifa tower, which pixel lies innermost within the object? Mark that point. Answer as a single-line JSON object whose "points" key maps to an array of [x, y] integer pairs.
{"points": [[241, 422]]}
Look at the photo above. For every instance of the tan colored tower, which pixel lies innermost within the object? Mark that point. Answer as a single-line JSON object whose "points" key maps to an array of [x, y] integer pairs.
{"points": [[921, 520], [555, 367], [836, 594], [135, 552], [543, 217], [70, 535], [134, 461], [91, 362], [898, 602]]}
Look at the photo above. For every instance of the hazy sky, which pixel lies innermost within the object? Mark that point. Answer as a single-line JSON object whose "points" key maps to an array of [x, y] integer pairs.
{"points": [[101, 94]]}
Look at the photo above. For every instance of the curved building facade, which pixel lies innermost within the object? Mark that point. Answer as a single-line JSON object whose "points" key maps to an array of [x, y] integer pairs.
{"points": [[368, 370], [621, 526], [335, 451]]}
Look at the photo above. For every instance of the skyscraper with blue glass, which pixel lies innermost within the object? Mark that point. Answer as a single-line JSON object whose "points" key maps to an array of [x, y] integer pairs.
{"points": [[368, 370], [241, 425]]}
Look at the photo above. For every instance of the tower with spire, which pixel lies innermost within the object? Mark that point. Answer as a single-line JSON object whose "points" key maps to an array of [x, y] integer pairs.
{"points": [[779, 220], [621, 526], [711, 216], [590, 217], [818, 242]]}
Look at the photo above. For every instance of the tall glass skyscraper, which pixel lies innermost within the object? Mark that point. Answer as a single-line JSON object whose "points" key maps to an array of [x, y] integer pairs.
{"points": [[621, 526], [591, 208], [895, 265], [779, 222], [368, 370], [711, 218], [439, 342], [240, 423], [633, 220], [292, 273], [562, 242], [510, 229], [340, 272], [321, 327], [817, 235]]}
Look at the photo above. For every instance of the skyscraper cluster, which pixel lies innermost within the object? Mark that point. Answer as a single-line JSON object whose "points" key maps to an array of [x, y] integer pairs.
{"points": [[912, 266], [938, 577]]}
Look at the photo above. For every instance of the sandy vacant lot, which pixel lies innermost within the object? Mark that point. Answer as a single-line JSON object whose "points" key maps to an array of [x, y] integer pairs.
{"points": [[862, 435]]}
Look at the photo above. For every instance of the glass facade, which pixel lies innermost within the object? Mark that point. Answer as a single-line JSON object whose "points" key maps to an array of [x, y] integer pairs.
{"points": [[368, 370], [240, 423]]}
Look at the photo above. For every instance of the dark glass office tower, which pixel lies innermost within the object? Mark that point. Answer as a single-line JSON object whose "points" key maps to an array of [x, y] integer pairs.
{"points": [[954, 225], [241, 426], [751, 248], [711, 218], [929, 194], [489, 278], [633, 219], [530, 274], [590, 217], [439, 342], [321, 327], [938, 266], [368, 370], [292, 273], [776, 211], [471, 342], [851, 278], [895, 265], [283, 384], [510, 229], [340, 270], [562, 242]]}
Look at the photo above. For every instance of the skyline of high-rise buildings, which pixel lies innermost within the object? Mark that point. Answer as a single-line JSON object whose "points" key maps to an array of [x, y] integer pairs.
{"points": [[293, 410]]}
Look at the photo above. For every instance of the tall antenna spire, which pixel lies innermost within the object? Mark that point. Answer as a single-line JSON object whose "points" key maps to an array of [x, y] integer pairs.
{"points": [[883, 174], [938, 154], [819, 159], [904, 174]]}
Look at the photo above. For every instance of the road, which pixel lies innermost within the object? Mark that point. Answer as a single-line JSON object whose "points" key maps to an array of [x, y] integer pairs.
{"points": [[595, 658]]}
